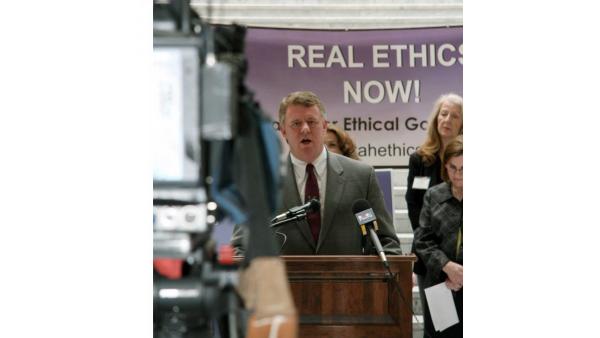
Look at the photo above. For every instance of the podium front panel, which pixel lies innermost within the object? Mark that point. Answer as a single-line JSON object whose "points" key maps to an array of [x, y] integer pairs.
{"points": [[351, 296]]}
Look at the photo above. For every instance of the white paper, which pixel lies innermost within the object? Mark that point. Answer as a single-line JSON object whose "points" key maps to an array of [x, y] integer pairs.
{"points": [[441, 306], [421, 182]]}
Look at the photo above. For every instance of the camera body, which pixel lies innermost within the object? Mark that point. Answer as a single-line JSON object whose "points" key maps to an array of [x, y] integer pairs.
{"points": [[195, 104]]}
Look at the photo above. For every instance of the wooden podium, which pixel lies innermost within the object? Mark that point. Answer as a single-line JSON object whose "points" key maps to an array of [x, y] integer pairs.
{"points": [[349, 296]]}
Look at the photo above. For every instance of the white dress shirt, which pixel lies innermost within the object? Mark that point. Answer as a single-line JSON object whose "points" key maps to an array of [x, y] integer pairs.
{"points": [[320, 165]]}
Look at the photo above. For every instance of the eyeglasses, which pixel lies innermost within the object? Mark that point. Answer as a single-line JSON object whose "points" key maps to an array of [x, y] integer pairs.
{"points": [[453, 170]]}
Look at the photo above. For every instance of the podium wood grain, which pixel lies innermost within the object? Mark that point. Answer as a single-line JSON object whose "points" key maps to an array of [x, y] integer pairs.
{"points": [[350, 296]]}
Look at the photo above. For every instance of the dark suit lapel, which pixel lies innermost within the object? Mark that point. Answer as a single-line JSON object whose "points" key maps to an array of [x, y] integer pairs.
{"points": [[291, 198], [335, 191]]}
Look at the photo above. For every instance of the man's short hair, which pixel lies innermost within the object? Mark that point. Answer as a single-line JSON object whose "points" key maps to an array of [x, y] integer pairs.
{"points": [[302, 98]]}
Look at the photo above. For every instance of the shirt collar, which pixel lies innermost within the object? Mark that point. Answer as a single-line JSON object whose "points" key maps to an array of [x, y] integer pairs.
{"points": [[446, 193], [320, 164]]}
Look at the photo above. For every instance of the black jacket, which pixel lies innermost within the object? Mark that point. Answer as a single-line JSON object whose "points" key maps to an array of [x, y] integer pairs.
{"points": [[414, 197]]}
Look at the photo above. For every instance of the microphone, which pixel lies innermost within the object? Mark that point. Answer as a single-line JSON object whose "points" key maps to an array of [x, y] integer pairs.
{"points": [[311, 206], [368, 223]]}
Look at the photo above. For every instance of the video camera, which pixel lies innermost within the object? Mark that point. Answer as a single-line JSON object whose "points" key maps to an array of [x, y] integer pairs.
{"points": [[197, 71]]}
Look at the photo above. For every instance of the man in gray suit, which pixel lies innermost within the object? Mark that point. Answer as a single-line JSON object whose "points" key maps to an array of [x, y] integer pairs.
{"points": [[337, 181]]}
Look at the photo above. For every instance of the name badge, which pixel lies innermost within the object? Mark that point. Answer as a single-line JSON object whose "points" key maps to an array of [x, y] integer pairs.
{"points": [[421, 182]]}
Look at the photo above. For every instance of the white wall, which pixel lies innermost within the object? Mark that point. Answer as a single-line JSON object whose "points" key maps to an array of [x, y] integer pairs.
{"points": [[349, 14]]}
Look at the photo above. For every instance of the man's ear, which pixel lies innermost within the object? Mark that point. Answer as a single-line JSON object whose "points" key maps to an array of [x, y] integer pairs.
{"points": [[282, 131]]}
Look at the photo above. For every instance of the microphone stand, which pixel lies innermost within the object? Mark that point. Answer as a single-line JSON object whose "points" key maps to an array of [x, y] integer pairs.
{"points": [[390, 276]]}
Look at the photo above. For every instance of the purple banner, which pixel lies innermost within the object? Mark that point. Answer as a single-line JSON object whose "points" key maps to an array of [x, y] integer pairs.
{"points": [[378, 85]]}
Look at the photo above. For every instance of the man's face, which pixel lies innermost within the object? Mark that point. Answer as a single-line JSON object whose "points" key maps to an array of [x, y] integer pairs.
{"points": [[304, 130]]}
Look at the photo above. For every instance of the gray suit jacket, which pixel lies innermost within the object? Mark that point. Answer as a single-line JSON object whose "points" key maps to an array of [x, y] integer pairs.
{"points": [[347, 181]]}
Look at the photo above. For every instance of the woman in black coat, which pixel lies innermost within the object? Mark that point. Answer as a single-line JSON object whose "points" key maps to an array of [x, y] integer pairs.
{"points": [[424, 171]]}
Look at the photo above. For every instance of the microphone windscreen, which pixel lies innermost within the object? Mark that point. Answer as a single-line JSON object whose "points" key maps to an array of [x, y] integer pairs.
{"points": [[360, 205], [315, 205]]}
